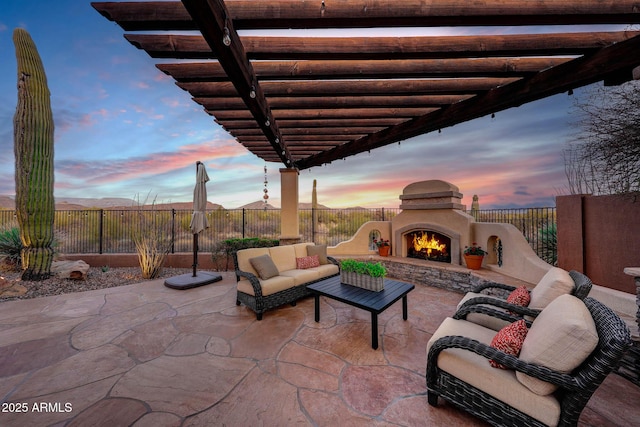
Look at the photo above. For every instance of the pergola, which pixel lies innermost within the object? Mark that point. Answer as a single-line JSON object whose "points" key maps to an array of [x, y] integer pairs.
{"points": [[309, 100]]}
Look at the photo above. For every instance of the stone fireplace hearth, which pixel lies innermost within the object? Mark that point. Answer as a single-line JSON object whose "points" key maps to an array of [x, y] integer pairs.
{"points": [[431, 211]]}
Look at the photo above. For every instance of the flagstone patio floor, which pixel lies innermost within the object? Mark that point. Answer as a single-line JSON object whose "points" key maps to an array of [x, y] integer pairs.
{"points": [[147, 355]]}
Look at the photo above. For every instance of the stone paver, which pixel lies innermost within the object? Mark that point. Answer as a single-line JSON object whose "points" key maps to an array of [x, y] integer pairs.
{"points": [[146, 355]]}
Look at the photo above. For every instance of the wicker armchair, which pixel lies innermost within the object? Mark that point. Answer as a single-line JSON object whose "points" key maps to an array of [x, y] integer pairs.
{"points": [[480, 308], [574, 388]]}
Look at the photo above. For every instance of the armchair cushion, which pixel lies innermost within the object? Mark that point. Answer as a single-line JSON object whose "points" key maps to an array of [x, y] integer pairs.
{"points": [[264, 266], [475, 371], [554, 283], [560, 338], [320, 250], [509, 340], [520, 296]]}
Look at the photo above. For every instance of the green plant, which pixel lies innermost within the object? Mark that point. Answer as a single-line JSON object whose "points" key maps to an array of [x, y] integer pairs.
{"points": [[105, 268], [549, 242], [33, 149], [11, 245], [474, 249], [381, 242], [363, 267]]}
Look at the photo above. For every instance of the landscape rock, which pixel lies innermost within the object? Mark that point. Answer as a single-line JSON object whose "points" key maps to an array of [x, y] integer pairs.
{"points": [[76, 270]]}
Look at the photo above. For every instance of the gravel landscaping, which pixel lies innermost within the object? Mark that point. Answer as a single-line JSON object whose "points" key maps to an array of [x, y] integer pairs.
{"points": [[96, 279]]}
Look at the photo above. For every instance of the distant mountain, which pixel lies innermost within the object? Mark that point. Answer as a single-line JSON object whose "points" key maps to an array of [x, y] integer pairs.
{"points": [[257, 205]]}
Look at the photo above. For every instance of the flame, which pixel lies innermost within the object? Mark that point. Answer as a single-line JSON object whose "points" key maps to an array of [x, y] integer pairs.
{"points": [[424, 243]]}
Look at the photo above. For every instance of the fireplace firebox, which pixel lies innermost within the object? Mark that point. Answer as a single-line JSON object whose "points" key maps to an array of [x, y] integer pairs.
{"points": [[428, 245]]}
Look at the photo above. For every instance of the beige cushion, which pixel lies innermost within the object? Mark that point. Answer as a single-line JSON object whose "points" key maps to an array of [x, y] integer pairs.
{"points": [[269, 286], [326, 270], [320, 250], [554, 283], [561, 338], [476, 371], [301, 277], [483, 319], [301, 249], [284, 257], [264, 266]]}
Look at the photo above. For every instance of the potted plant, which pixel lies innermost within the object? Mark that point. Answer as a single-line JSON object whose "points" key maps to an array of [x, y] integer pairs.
{"points": [[473, 256], [367, 275], [383, 246]]}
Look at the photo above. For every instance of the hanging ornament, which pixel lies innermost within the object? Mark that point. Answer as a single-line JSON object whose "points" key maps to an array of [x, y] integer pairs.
{"points": [[266, 190]]}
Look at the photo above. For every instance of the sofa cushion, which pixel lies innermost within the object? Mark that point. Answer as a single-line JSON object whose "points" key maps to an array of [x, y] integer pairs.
{"points": [[326, 270], [509, 340], [307, 262], [269, 286], [320, 250], [520, 296], [475, 370], [560, 338], [301, 277], [264, 266], [284, 257], [554, 283], [301, 249]]}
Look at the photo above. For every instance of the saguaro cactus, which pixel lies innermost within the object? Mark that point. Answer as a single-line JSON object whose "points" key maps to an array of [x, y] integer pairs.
{"points": [[33, 148]]}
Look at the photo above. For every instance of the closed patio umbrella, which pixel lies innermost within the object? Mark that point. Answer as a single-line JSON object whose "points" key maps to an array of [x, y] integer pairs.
{"points": [[199, 220], [199, 223]]}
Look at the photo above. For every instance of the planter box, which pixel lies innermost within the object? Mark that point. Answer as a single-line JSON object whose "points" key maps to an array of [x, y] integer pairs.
{"points": [[362, 281]]}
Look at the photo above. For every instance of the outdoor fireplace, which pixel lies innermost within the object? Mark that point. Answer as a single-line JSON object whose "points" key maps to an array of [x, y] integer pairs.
{"points": [[428, 245]]}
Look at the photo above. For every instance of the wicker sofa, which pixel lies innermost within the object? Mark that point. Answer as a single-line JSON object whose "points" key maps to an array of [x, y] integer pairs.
{"points": [[270, 277], [566, 354]]}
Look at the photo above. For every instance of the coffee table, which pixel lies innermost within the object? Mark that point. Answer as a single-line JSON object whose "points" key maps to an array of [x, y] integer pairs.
{"points": [[373, 302]]}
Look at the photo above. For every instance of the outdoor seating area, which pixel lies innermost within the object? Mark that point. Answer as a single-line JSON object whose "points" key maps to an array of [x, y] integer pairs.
{"points": [[145, 354]]}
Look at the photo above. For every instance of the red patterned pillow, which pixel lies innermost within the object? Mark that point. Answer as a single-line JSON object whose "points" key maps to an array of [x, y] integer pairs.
{"points": [[519, 296], [307, 262], [509, 340]]}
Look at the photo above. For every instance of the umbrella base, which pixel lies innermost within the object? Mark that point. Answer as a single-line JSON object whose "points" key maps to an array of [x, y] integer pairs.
{"points": [[187, 281]]}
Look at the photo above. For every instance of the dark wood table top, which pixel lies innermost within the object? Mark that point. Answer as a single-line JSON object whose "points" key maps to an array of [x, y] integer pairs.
{"points": [[362, 298]]}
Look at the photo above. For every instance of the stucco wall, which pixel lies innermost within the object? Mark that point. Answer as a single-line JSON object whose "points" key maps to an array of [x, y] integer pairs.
{"points": [[600, 236]]}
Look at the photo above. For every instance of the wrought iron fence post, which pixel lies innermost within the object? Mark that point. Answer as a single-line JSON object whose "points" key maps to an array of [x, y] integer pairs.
{"points": [[243, 221], [101, 232], [173, 230]]}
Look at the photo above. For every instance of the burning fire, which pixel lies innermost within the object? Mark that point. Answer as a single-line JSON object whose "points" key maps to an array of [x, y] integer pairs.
{"points": [[424, 243]]}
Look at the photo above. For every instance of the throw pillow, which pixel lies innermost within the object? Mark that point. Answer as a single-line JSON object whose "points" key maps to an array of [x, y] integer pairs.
{"points": [[519, 296], [561, 338], [320, 250], [264, 266], [554, 283], [307, 262], [509, 340]]}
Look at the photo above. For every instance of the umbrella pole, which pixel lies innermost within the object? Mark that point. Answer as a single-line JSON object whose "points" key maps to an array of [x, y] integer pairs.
{"points": [[195, 253]]}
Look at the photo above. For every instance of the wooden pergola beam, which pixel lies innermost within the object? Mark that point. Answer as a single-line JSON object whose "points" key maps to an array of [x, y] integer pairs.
{"points": [[252, 14], [371, 48], [317, 88], [576, 73], [217, 29], [369, 69]]}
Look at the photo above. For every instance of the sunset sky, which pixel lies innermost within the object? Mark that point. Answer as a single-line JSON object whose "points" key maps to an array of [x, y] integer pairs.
{"points": [[124, 129]]}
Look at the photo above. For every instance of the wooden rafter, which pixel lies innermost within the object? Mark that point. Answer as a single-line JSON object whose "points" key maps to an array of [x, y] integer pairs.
{"points": [[308, 98]]}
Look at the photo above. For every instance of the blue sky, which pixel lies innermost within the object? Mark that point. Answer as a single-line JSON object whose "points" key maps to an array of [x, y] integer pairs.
{"points": [[124, 129]]}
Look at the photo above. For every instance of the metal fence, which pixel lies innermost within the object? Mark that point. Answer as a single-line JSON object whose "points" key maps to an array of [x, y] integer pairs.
{"points": [[107, 231]]}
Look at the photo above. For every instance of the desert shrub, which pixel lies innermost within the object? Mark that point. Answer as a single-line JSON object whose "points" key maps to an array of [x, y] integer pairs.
{"points": [[11, 246], [223, 251], [153, 240]]}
